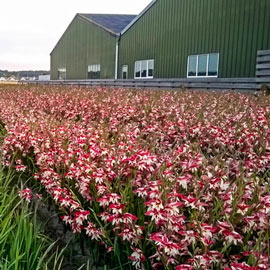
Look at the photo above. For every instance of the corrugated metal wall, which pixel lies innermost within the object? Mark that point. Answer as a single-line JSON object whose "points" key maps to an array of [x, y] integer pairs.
{"points": [[81, 45], [174, 29]]}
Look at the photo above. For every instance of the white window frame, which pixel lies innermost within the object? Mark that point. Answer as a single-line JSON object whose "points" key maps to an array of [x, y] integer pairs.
{"points": [[147, 69], [207, 66]]}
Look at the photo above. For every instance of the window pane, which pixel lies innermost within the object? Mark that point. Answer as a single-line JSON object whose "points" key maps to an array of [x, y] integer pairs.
{"points": [[192, 65], [62, 73], [124, 72], [144, 69], [90, 75], [202, 65], [94, 71], [90, 72], [213, 64], [150, 68], [138, 69]]}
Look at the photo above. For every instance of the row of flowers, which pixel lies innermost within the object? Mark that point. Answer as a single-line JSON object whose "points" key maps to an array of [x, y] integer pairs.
{"points": [[181, 178]]}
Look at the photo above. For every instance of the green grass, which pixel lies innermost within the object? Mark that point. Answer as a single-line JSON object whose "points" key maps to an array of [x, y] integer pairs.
{"points": [[22, 244]]}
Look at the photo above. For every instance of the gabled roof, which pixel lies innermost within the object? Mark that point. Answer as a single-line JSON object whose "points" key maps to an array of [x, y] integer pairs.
{"points": [[111, 22], [138, 17]]}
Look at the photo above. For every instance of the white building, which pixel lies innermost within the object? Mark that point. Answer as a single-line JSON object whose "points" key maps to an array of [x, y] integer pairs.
{"points": [[44, 77]]}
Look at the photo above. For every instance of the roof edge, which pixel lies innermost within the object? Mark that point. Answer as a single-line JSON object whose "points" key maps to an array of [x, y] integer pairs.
{"points": [[81, 15], [97, 24], [138, 17], [63, 34]]}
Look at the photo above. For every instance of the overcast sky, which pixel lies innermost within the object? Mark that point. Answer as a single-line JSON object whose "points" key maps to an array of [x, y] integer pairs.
{"points": [[29, 29]]}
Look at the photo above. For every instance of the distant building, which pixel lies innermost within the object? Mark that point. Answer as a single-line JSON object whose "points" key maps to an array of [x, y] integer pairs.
{"points": [[44, 77], [2, 79], [28, 78]]}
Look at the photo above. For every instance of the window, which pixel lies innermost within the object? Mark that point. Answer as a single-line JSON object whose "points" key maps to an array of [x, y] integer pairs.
{"points": [[94, 71], [144, 69], [124, 72], [213, 64], [203, 65], [192, 66], [62, 73], [137, 69], [150, 68]]}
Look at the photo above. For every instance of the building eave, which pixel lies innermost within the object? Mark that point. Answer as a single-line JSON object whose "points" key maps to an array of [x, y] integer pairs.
{"points": [[63, 34], [138, 17], [79, 15], [97, 24]]}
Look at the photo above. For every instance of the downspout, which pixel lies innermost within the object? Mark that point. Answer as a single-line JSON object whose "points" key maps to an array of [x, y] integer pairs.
{"points": [[117, 56]]}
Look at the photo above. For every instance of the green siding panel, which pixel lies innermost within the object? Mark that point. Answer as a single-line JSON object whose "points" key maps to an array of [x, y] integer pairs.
{"points": [[171, 30], [84, 44]]}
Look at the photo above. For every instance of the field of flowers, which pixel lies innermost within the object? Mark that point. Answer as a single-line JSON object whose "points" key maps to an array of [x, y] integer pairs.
{"points": [[157, 179]]}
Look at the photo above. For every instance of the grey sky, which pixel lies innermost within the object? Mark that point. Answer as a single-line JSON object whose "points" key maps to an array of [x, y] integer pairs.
{"points": [[29, 29]]}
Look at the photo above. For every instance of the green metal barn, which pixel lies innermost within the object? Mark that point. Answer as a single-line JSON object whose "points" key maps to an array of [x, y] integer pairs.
{"points": [[87, 49], [189, 39], [196, 38]]}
